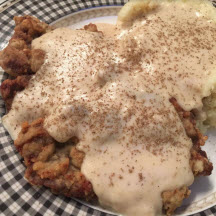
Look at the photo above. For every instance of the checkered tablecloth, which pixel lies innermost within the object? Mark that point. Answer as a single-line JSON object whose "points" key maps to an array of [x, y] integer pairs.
{"points": [[17, 197]]}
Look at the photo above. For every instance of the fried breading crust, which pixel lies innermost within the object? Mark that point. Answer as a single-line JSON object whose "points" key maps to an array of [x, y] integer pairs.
{"points": [[18, 58], [91, 27], [199, 162], [173, 199], [9, 88], [29, 27], [52, 164], [200, 165]]}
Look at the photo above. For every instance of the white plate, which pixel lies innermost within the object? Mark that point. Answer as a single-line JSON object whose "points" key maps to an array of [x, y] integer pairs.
{"points": [[19, 193]]}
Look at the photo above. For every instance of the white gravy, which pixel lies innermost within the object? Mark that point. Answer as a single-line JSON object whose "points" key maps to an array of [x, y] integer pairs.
{"points": [[112, 91]]}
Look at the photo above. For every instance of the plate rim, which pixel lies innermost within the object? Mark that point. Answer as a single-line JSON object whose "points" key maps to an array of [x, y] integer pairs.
{"points": [[98, 8]]}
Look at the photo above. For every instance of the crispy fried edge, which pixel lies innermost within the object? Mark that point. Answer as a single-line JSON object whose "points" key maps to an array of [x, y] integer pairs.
{"points": [[9, 88], [69, 182], [18, 58], [200, 165]]}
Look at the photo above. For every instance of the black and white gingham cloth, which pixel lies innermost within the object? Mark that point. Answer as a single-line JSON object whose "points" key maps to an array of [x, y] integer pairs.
{"points": [[17, 197]]}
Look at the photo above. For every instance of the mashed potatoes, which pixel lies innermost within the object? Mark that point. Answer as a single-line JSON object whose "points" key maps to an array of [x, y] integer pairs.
{"points": [[206, 117]]}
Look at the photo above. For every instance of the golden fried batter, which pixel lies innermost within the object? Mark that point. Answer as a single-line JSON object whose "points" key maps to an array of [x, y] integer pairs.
{"points": [[173, 199], [51, 164], [10, 87], [91, 27], [199, 162], [18, 58]]}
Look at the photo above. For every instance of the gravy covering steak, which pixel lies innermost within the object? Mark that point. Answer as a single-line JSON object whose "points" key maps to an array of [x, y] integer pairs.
{"points": [[113, 91]]}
